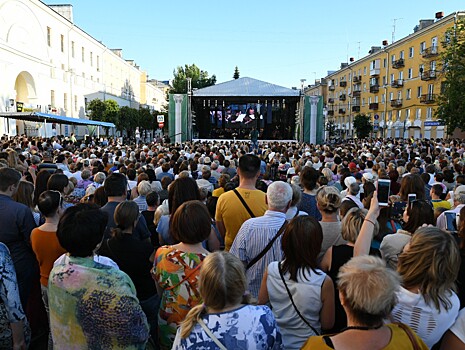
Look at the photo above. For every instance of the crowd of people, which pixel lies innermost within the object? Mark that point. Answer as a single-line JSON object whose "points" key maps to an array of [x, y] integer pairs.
{"points": [[231, 245]]}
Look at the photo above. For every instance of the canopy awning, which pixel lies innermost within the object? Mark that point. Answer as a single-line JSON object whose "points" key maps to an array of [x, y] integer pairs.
{"points": [[53, 118]]}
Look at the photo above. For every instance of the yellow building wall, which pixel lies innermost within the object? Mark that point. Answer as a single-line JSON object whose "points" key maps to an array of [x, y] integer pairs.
{"points": [[406, 113]]}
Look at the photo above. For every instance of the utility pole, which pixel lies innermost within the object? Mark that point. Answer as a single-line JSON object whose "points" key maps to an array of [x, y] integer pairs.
{"points": [[189, 109]]}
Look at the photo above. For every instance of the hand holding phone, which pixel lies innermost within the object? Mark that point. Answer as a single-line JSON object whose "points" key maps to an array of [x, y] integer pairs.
{"points": [[384, 187]]}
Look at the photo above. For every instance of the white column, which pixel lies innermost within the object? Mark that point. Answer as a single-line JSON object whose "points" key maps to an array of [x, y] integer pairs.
{"points": [[313, 114], [177, 117]]}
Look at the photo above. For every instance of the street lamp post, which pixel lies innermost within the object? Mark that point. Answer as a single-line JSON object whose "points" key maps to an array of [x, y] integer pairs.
{"points": [[189, 109]]}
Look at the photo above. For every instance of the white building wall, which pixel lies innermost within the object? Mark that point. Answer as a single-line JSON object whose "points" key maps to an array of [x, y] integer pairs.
{"points": [[41, 68]]}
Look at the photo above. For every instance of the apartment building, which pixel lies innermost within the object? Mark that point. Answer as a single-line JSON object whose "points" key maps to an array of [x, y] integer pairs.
{"points": [[395, 84]]}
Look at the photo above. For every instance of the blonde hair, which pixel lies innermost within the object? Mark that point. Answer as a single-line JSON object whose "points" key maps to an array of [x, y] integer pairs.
{"points": [[369, 289], [432, 263], [159, 212], [222, 283], [327, 173], [328, 199], [352, 224]]}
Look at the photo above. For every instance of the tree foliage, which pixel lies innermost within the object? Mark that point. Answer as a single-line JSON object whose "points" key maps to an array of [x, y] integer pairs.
{"points": [[200, 78], [331, 129], [451, 101], [236, 73], [362, 125]]}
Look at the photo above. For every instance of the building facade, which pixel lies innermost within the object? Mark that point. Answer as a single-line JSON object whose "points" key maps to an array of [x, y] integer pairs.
{"points": [[395, 84], [48, 64]]}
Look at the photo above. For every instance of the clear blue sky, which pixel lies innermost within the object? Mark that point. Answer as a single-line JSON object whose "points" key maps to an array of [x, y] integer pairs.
{"points": [[277, 41]]}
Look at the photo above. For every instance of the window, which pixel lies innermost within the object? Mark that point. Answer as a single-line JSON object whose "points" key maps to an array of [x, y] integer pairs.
{"points": [[384, 80], [75, 103], [91, 59], [62, 43], [383, 98], [376, 99], [52, 98], [369, 100], [409, 94], [98, 63], [434, 41], [364, 70], [419, 91], [401, 75], [399, 95], [418, 114], [65, 101], [411, 52], [391, 96], [83, 75], [392, 78], [49, 36], [401, 55], [429, 113], [399, 114], [430, 89], [384, 63], [410, 73], [407, 114], [363, 101], [432, 65], [393, 58], [364, 87], [72, 49], [83, 53], [422, 47], [421, 68], [390, 115]]}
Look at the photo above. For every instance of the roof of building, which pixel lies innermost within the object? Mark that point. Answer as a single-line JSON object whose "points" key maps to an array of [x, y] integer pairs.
{"points": [[246, 87]]}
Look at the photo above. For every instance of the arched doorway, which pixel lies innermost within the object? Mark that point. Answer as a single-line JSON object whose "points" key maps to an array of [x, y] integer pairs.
{"points": [[26, 97]]}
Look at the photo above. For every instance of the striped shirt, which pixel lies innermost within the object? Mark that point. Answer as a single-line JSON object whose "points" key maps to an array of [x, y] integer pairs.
{"points": [[252, 238]]}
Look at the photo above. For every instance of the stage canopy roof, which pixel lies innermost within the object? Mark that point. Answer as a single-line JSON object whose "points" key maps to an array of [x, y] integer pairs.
{"points": [[246, 87], [52, 118]]}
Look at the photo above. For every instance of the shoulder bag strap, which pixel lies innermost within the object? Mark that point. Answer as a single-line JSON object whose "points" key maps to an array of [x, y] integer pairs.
{"points": [[244, 203], [410, 334], [268, 247], [292, 301], [211, 335], [186, 278]]}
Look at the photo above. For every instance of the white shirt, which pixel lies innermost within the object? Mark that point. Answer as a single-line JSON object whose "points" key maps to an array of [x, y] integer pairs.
{"points": [[424, 319]]}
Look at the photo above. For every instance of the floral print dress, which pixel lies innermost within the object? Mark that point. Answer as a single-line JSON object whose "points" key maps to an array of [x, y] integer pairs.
{"points": [[177, 273], [11, 310]]}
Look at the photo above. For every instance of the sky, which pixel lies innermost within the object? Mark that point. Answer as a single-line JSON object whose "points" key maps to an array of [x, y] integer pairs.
{"points": [[280, 42]]}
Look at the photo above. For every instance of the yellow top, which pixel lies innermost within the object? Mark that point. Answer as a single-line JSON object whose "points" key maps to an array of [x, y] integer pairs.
{"points": [[441, 204], [218, 192], [232, 212], [399, 341]]}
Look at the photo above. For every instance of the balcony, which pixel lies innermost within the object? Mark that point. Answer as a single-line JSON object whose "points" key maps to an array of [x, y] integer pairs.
{"points": [[356, 93], [374, 72], [342, 111], [398, 64], [373, 106], [331, 101], [357, 79], [342, 97], [343, 83], [427, 99], [430, 52], [356, 109], [374, 88], [330, 112], [332, 88], [398, 83], [428, 75], [396, 103]]}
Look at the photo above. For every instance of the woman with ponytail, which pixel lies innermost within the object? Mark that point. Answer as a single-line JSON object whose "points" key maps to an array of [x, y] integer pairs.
{"points": [[133, 257], [225, 320]]}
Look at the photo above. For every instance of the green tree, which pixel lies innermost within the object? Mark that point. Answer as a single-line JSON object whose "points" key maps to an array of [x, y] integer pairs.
{"points": [[362, 125], [111, 111], [96, 109], [128, 120], [146, 119], [200, 78], [451, 101], [236, 73]]}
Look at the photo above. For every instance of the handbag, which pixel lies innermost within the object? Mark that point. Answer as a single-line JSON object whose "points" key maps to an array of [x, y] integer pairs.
{"points": [[211, 335], [292, 301]]}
